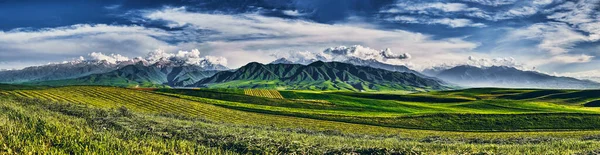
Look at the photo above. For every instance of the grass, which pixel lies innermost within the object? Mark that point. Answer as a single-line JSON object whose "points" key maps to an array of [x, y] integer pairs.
{"points": [[35, 126], [453, 113], [109, 120]]}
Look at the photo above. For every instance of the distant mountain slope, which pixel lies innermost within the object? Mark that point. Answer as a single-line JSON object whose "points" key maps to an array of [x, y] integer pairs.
{"points": [[380, 65], [139, 74], [503, 76], [318, 76], [58, 71]]}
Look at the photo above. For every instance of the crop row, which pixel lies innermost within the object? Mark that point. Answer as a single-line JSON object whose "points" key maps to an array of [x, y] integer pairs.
{"points": [[263, 93], [211, 109], [148, 102]]}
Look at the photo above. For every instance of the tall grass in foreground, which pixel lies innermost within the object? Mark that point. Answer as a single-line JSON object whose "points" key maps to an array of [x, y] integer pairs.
{"points": [[35, 126]]}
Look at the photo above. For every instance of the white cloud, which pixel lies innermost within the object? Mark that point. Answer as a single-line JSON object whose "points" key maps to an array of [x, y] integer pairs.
{"points": [[555, 38], [192, 57], [583, 15], [433, 9], [543, 2], [277, 35], [493, 2], [405, 19], [524, 9], [517, 12], [457, 22], [486, 62], [112, 58], [454, 10], [565, 58], [294, 13], [555, 42], [343, 53], [365, 53], [21, 35], [454, 23], [582, 11], [411, 7], [216, 60], [158, 55], [302, 57], [70, 41], [572, 23]]}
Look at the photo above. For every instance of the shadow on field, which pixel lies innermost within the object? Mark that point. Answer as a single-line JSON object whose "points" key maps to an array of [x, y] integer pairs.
{"points": [[407, 98], [531, 95], [592, 104], [578, 96]]}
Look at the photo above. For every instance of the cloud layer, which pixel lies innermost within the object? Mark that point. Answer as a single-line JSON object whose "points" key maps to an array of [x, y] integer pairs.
{"points": [[343, 53], [550, 35], [50, 44], [271, 35], [192, 57]]}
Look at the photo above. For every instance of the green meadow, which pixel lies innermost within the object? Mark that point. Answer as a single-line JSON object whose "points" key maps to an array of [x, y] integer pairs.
{"points": [[112, 120]]}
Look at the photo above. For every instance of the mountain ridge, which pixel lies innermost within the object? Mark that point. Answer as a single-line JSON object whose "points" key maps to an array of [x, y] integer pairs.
{"points": [[82, 68], [325, 75], [141, 74]]}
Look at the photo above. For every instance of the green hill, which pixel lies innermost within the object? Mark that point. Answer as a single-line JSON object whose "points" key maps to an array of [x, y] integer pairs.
{"points": [[318, 76]]}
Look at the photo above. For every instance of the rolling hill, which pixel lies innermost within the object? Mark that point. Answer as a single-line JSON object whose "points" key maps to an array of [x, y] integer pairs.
{"points": [[318, 76]]}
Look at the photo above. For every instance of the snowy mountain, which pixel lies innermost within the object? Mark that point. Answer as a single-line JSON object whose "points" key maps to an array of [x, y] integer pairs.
{"points": [[100, 63], [356, 55], [59, 71]]}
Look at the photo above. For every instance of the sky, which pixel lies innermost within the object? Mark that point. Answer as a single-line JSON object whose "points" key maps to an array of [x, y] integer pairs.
{"points": [[557, 37]]}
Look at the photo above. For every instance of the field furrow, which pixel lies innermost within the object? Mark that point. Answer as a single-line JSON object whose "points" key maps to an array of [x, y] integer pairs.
{"points": [[263, 93]]}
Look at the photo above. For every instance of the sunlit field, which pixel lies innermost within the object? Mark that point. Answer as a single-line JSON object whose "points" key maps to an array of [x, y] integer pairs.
{"points": [[110, 120]]}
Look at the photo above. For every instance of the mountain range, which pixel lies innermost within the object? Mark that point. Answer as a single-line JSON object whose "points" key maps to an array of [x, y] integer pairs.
{"points": [[319, 76], [504, 76], [358, 62], [140, 74], [58, 71], [351, 74]]}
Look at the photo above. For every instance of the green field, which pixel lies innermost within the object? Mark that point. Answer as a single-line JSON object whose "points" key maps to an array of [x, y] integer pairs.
{"points": [[111, 120]]}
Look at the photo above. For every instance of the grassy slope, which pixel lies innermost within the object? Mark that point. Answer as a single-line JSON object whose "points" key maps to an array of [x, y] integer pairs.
{"points": [[161, 123], [34, 126], [450, 113], [146, 102]]}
